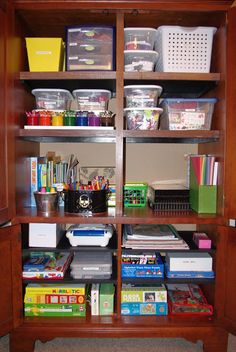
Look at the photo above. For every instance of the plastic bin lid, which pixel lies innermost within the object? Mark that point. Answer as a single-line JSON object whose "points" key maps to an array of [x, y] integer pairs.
{"points": [[182, 100], [91, 257], [91, 91], [52, 90], [137, 87]]}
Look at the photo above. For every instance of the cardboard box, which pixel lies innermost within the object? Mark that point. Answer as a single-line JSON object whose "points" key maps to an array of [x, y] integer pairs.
{"points": [[140, 293], [51, 310], [154, 308], [192, 261], [143, 270], [45, 235], [45, 54], [106, 298]]}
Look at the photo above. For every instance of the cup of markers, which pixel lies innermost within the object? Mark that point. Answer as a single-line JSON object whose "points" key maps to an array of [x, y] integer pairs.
{"points": [[46, 201]]}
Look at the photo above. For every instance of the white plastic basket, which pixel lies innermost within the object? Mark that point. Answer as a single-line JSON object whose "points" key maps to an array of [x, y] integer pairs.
{"points": [[184, 49]]}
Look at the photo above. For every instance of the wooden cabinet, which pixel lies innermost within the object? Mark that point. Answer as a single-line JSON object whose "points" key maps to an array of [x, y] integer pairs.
{"points": [[49, 18]]}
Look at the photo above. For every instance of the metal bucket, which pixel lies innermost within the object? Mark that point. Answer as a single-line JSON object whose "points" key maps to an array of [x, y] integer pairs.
{"points": [[46, 203]]}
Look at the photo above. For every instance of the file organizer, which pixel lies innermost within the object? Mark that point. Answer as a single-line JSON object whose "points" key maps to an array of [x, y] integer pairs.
{"points": [[202, 198]]}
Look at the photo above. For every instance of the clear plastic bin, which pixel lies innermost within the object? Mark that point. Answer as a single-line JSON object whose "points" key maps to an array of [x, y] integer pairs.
{"points": [[142, 118], [140, 60], [184, 49], [52, 99], [92, 99], [139, 38], [142, 96], [187, 114]]}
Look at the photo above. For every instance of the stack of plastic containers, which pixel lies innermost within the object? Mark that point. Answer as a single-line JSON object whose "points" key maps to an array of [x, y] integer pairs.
{"points": [[141, 110], [139, 45], [91, 265], [92, 104]]}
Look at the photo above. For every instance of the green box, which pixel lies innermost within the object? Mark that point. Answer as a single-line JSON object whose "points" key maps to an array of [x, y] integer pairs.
{"points": [[203, 199], [106, 299]]}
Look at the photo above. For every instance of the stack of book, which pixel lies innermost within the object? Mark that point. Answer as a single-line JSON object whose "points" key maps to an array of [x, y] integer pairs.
{"points": [[55, 300], [152, 237], [46, 265]]}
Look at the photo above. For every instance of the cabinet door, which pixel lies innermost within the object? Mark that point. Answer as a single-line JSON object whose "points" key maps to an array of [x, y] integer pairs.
{"points": [[230, 183], [229, 259], [10, 282], [4, 209]]}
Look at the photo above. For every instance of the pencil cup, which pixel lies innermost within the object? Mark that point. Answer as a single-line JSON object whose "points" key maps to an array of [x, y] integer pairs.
{"points": [[85, 201], [46, 203]]}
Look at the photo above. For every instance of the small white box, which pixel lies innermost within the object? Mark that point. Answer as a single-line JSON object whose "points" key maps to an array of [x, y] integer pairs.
{"points": [[45, 235], [95, 299], [192, 261]]}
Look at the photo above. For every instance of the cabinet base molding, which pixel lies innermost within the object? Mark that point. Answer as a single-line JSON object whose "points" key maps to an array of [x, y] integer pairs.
{"points": [[23, 339]]}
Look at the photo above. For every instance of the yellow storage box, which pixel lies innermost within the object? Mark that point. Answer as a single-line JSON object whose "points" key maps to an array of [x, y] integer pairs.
{"points": [[45, 54]]}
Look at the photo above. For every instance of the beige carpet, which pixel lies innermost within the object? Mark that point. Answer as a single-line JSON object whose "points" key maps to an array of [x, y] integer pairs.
{"points": [[117, 345]]}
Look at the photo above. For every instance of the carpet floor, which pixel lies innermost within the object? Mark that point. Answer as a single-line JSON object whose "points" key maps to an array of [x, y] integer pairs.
{"points": [[117, 345]]}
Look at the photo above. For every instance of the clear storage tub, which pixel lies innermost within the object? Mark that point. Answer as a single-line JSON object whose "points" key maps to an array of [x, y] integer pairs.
{"points": [[139, 38], [142, 118], [142, 96], [140, 60], [52, 99], [187, 114], [92, 99]]}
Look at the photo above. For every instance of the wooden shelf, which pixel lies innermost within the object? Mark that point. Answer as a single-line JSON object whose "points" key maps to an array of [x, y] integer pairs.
{"points": [[161, 136], [60, 135], [130, 216], [134, 136]]}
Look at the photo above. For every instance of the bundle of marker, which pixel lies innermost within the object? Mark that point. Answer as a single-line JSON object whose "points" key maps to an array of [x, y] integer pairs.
{"points": [[98, 183], [47, 190]]}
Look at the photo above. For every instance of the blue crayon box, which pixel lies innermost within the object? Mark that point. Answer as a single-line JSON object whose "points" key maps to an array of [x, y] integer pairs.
{"points": [[136, 268], [145, 308]]}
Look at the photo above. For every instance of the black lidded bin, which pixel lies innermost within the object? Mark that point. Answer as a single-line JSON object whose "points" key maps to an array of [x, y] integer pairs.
{"points": [[83, 201]]}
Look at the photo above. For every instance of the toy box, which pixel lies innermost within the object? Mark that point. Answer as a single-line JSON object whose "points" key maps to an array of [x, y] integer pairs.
{"points": [[155, 270], [143, 293], [52, 310], [187, 299], [150, 308]]}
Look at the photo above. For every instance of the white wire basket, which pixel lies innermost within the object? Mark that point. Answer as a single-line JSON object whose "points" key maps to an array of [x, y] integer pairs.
{"points": [[184, 49]]}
